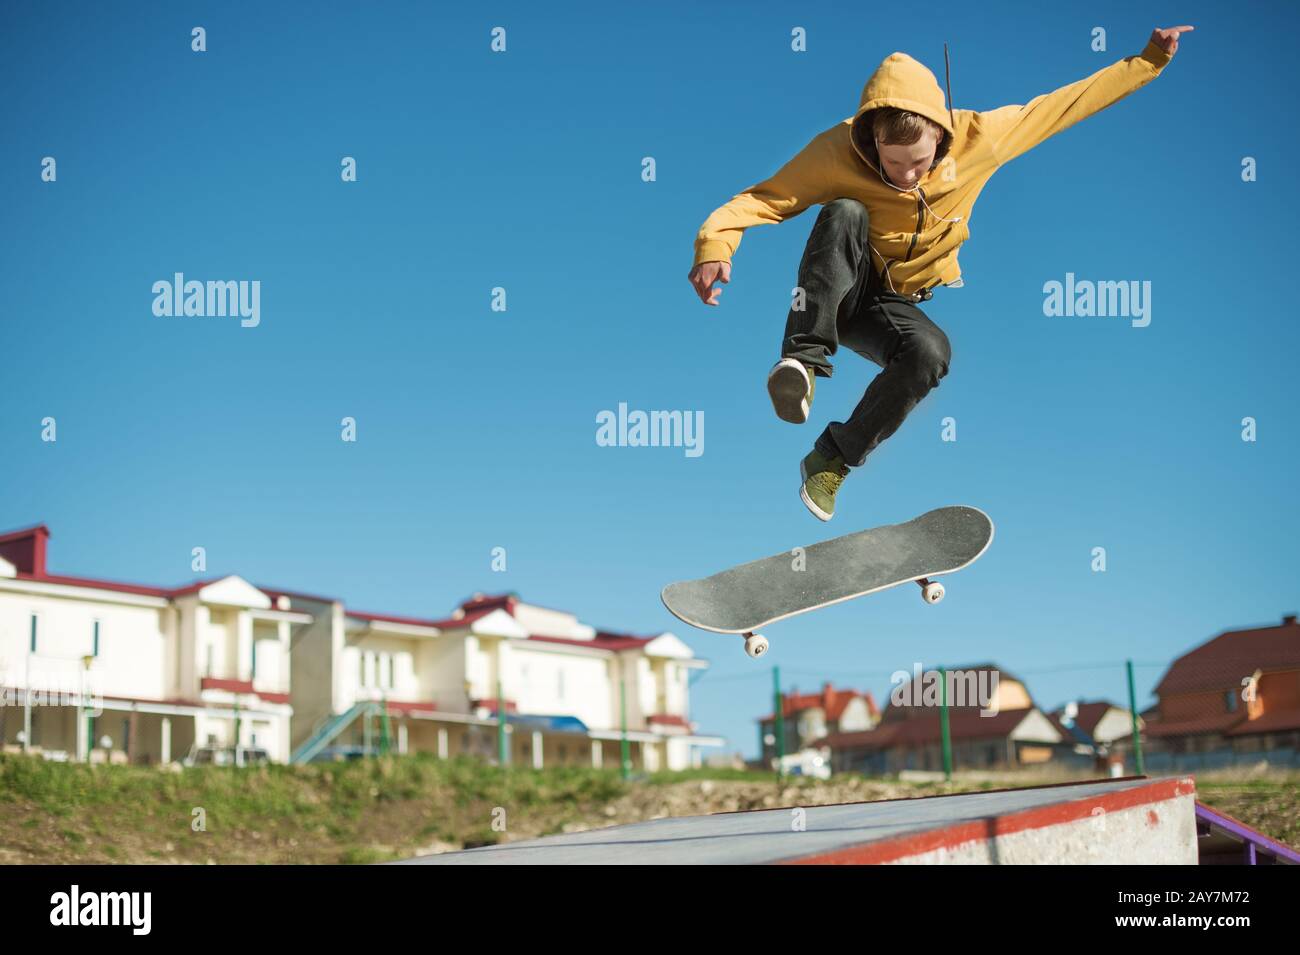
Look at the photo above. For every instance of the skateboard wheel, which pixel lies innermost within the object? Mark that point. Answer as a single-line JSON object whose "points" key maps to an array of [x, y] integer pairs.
{"points": [[756, 645], [932, 593]]}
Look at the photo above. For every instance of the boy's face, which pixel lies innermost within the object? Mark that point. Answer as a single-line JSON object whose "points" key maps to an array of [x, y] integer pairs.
{"points": [[906, 165]]}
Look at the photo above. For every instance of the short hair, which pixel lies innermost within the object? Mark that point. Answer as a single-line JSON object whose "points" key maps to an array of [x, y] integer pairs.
{"points": [[897, 127]]}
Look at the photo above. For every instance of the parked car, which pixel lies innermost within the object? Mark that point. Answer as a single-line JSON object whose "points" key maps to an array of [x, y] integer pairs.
{"points": [[808, 762]]}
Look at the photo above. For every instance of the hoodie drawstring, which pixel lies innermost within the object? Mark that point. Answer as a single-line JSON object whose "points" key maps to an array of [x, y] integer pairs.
{"points": [[920, 195]]}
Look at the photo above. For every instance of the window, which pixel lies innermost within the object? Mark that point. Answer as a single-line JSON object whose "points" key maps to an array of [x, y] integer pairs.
{"points": [[1230, 701], [33, 643], [94, 650], [253, 669], [391, 668]]}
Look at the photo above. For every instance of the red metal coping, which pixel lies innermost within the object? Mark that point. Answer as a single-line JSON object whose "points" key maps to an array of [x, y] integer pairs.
{"points": [[949, 837]]}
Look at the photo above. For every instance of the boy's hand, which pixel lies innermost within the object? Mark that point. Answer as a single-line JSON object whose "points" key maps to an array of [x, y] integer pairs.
{"points": [[704, 275], [1168, 38]]}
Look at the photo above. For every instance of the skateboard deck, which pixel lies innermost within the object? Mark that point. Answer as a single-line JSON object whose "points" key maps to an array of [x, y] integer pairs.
{"points": [[744, 598]]}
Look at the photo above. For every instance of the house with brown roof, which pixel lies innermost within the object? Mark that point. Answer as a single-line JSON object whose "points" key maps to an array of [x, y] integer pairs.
{"points": [[1234, 698], [811, 716], [992, 724], [1090, 730]]}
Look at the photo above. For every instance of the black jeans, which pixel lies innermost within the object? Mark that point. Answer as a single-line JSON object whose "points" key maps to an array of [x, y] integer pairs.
{"points": [[847, 302]]}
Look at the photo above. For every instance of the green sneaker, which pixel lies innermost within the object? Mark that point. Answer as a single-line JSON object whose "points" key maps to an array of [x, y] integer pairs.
{"points": [[822, 477], [790, 384]]}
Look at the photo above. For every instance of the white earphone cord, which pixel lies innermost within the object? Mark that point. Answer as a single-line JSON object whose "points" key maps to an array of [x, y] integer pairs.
{"points": [[920, 195]]}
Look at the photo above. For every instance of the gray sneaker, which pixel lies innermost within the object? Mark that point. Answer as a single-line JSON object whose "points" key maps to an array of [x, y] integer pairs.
{"points": [[790, 384]]}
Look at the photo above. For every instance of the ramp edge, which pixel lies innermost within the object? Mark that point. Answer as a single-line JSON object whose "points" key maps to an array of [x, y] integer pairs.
{"points": [[949, 837]]}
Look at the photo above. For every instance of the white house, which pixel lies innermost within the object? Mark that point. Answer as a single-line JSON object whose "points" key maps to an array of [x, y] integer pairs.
{"points": [[571, 693], [222, 665], [154, 671]]}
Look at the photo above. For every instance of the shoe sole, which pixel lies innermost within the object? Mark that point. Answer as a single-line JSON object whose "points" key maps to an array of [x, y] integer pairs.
{"points": [[788, 389], [817, 512]]}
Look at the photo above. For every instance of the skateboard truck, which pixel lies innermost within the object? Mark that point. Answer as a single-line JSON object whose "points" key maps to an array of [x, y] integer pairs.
{"points": [[931, 592]]}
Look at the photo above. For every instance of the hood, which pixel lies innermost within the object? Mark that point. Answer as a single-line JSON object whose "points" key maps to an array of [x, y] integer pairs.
{"points": [[903, 83]]}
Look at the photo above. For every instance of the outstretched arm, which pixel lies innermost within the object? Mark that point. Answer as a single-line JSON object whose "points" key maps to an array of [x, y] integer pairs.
{"points": [[806, 180], [1017, 129]]}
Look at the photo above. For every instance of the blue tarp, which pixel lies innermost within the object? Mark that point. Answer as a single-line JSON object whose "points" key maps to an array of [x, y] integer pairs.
{"points": [[560, 724]]}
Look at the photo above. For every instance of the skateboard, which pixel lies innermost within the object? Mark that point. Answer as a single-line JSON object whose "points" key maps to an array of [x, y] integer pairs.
{"points": [[744, 598]]}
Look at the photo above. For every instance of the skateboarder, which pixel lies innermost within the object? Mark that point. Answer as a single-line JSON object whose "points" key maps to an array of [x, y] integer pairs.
{"points": [[897, 182]]}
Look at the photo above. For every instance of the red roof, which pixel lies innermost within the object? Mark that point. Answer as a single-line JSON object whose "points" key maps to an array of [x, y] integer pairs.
{"points": [[963, 723], [390, 618], [829, 699], [1211, 723], [1275, 722], [486, 602], [1088, 716], [25, 548], [668, 719], [1224, 661], [277, 592], [482, 604], [96, 584], [601, 641], [1059, 726]]}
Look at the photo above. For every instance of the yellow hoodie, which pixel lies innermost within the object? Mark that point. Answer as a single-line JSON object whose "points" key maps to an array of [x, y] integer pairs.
{"points": [[915, 233]]}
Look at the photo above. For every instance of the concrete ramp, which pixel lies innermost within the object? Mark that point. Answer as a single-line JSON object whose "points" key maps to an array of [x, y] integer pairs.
{"points": [[1131, 821]]}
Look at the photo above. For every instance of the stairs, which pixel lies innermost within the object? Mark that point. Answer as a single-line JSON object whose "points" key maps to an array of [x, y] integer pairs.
{"points": [[331, 728]]}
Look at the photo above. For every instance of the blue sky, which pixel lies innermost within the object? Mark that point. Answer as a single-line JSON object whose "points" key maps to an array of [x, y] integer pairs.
{"points": [[476, 428]]}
